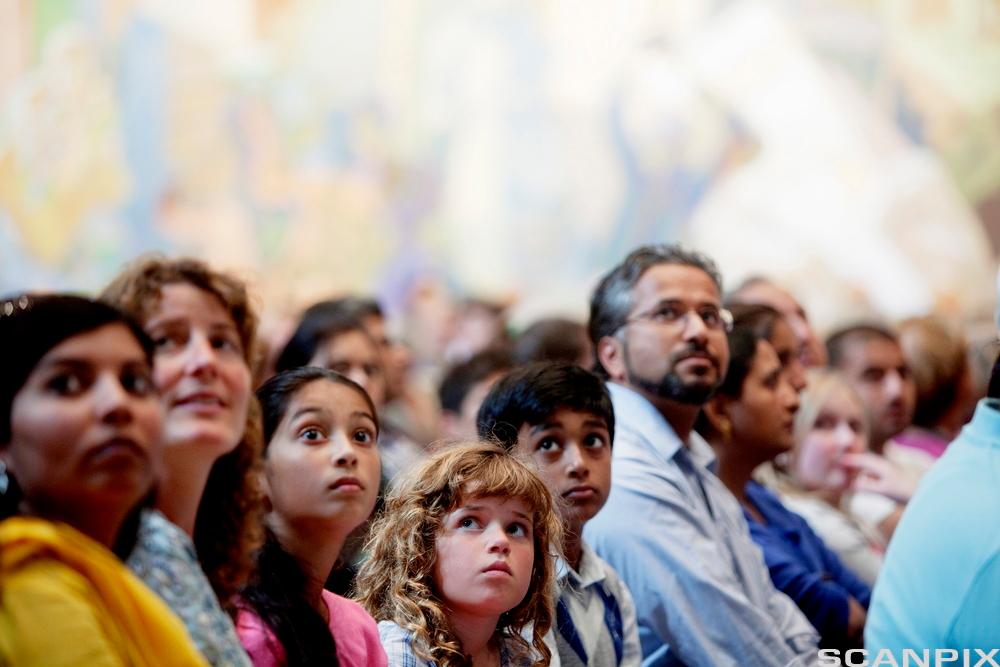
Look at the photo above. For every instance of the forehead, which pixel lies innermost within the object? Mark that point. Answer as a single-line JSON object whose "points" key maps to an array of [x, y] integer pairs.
{"points": [[503, 504], [771, 295], [354, 344], [765, 359], [335, 398], [183, 300], [675, 281], [842, 402], [110, 344], [874, 353]]}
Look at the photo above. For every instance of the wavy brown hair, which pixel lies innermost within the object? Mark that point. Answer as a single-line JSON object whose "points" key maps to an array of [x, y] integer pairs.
{"points": [[396, 583], [227, 528]]}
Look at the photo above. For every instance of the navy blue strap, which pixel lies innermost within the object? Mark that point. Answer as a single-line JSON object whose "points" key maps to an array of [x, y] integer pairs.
{"points": [[568, 630], [612, 620]]}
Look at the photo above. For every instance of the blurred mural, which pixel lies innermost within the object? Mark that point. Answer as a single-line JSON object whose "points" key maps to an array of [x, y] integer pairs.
{"points": [[505, 148]]}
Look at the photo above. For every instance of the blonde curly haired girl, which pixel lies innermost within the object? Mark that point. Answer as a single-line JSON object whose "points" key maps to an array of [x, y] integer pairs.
{"points": [[462, 562]]}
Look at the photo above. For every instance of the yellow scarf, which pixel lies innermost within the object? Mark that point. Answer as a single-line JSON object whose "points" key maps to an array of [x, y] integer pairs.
{"points": [[65, 599]]}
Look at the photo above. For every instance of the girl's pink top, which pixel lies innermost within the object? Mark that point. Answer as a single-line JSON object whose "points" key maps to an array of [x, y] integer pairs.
{"points": [[354, 632]]}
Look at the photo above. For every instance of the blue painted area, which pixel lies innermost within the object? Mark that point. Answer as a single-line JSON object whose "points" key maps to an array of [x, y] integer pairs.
{"points": [[143, 89]]}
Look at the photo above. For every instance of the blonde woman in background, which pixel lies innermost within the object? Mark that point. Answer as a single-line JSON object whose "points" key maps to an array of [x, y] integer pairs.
{"points": [[815, 478]]}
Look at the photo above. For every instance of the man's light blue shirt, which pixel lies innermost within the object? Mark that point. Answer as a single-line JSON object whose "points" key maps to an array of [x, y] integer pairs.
{"points": [[678, 539], [940, 584]]}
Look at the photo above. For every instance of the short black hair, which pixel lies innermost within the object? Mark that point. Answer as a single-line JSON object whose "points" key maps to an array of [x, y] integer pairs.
{"points": [[460, 378], [612, 298], [530, 394], [841, 339]]}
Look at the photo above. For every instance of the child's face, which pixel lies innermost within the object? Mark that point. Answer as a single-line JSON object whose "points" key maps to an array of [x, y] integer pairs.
{"points": [[322, 462], [485, 553], [573, 453]]}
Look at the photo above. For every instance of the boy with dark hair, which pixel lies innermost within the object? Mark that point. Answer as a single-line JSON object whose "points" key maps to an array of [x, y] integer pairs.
{"points": [[560, 416]]}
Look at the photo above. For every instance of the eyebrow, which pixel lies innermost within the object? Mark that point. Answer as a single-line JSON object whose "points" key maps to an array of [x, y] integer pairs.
{"points": [[309, 410], [365, 415]]}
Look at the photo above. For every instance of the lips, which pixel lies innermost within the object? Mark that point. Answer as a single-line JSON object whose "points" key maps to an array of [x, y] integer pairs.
{"points": [[347, 484], [117, 447], [580, 492], [499, 567], [200, 398]]}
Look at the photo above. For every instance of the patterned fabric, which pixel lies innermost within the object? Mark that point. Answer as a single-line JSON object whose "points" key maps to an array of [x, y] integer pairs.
{"points": [[677, 538], [597, 625], [165, 560], [398, 645]]}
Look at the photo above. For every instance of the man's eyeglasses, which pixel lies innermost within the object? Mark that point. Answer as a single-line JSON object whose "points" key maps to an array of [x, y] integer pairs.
{"points": [[676, 313]]}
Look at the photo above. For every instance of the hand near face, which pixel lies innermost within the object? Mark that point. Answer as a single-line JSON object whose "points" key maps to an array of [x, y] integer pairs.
{"points": [[876, 474]]}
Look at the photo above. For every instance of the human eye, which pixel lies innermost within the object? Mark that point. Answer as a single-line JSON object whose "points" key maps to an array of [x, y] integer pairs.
{"points": [[519, 529], [595, 441], [66, 383], [228, 342], [341, 367], [667, 312], [165, 340], [873, 375], [468, 522], [711, 316], [138, 381], [311, 434], [548, 444], [825, 423], [364, 436]]}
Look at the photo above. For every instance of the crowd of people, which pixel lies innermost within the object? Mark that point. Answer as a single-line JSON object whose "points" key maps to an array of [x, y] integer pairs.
{"points": [[692, 477]]}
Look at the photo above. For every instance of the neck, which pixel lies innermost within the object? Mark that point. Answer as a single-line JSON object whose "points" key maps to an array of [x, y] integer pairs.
{"points": [[476, 632], [100, 524], [572, 545], [680, 416], [182, 485], [315, 545], [734, 470], [877, 445]]}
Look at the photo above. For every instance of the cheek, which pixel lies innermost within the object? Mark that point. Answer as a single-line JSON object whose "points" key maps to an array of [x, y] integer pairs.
{"points": [[817, 457], [166, 372]]}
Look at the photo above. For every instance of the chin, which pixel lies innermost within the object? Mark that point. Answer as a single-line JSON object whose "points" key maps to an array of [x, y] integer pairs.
{"points": [[218, 439]]}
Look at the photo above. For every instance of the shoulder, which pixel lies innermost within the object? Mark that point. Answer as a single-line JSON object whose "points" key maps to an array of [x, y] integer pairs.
{"points": [[398, 645], [258, 640], [354, 631]]}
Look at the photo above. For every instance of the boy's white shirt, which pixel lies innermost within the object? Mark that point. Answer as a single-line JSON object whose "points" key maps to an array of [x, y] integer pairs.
{"points": [[595, 571]]}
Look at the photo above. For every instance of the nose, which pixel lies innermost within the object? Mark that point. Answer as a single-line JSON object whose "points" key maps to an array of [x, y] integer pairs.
{"points": [[498, 540], [112, 402], [796, 373], [342, 454], [844, 436], [694, 327], [576, 464], [893, 385], [201, 356]]}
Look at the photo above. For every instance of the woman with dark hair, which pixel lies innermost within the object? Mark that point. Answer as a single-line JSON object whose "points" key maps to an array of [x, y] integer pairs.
{"points": [[195, 550], [321, 478], [80, 427], [750, 421]]}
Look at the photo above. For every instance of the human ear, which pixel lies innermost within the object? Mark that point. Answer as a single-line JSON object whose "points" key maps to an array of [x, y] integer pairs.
{"points": [[716, 411], [611, 355]]}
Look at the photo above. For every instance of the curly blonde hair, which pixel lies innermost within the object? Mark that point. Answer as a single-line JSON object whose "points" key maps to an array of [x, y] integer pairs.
{"points": [[396, 583], [228, 525]]}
